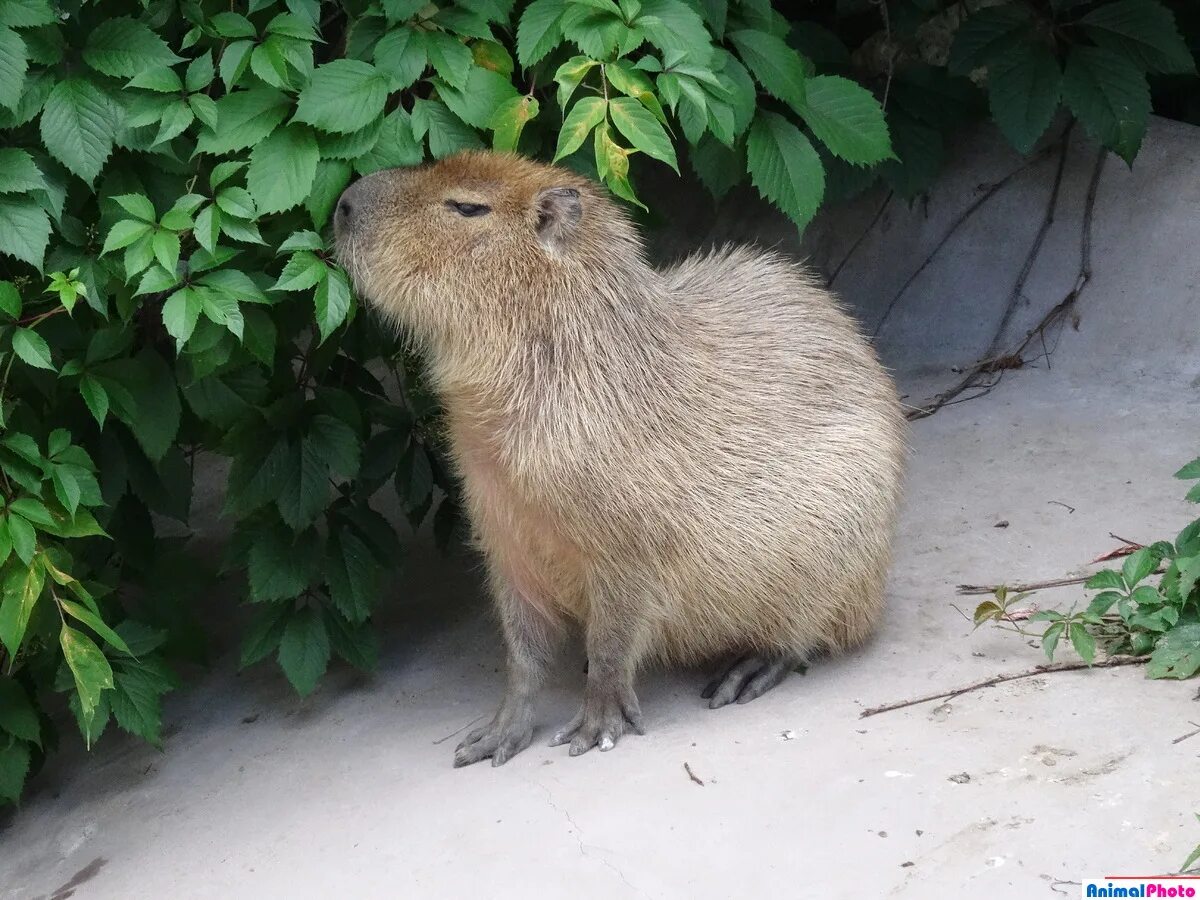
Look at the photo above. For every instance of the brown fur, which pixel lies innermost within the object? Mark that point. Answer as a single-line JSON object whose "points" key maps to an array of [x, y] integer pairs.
{"points": [[703, 460]]}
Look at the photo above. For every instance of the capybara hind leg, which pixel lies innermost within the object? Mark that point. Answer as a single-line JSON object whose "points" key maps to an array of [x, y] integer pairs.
{"points": [[748, 678], [532, 637]]}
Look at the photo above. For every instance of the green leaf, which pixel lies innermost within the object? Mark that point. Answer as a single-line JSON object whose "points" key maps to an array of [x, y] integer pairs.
{"points": [[24, 229], [244, 118], [124, 233], [401, 54], [93, 621], [1083, 642], [356, 644], [395, 147], [1110, 96], [343, 96], [17, 715], [304, 650], [24, 541], [354, 576], [303, 271], [847, 118], [14, 61], [124, 47], [1105, 580], [400, 10], [261, 637], [539, 30], [447, 133], [510, 120], [336, 443], [674, 25], [200, 73], [1023, 91], [166, 249], [449, 57], [95, 397], [331, 179], [305, 493], [642, 130], [332, 303], [66, 489], [597, 33], [32, 348], [1177, 654], [32, 510], [14, 766], [282, 169], [181, 312], [272, 566], [222, 309], [484, 93], [235, 58], [92, 671], [237, 202], [18, 172], [1140, 30], [22, 588], [161, 79], [1137, 566], [784, 167], [136, 702], [719, 168], [1103, 602], [10, 300], [988, 35], [569, 75], [27, 13], [232, 25], [152, 385], [1050, 638], [1190, 471], [777, 66], [586, 114], [78, 126]]}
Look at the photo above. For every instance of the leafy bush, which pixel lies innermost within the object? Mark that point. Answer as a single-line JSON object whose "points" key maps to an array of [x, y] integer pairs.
{"points": [[1130, 615], [166, 288]]}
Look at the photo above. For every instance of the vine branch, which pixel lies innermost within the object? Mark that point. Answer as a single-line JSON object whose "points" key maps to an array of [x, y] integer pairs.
{"points": [[1110, 663]]}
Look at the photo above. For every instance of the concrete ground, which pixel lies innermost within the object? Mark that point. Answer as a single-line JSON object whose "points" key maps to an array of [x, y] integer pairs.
{"points": [[1011, 792]]}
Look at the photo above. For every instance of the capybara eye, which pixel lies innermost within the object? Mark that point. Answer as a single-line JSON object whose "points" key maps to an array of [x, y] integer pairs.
{"points": [[470, 210]]}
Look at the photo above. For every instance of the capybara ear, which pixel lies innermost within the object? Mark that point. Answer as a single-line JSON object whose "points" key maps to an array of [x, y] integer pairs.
{"points": [[559, 211]]}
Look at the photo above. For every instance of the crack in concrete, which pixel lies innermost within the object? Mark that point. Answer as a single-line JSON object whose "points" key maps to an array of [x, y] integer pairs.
{"points": [[583, 847]]}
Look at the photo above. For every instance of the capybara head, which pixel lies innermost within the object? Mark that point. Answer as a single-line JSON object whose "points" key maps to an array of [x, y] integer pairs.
{"points": [[479, 241]]}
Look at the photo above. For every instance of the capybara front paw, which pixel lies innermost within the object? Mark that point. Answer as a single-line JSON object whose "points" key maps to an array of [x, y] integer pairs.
{"points": [[606, 714], [500, 740]]}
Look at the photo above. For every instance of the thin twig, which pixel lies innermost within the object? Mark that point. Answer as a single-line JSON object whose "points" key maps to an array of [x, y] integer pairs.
{"points": [[862, 237], [453, 733], [1184, 737], [1031, 586], [1046, 669], [1126, 541], [692, 775], [1020, 588], [954, 226], [1055, 315], [970, 379]]}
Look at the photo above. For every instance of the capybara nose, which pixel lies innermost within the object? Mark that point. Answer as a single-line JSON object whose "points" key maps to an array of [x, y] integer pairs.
{"points": [[343, 219], [352, 205]]}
